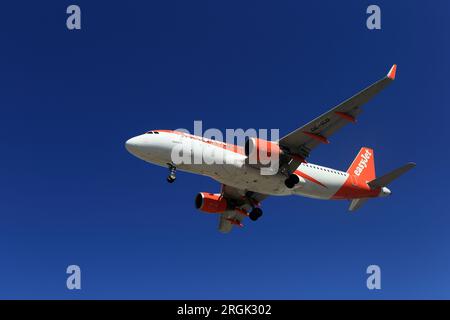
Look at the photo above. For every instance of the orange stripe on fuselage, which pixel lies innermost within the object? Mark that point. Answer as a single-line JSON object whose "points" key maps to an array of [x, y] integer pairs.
{"points": [[223, 145], [304, 175], [355, 188], [347, 191]]}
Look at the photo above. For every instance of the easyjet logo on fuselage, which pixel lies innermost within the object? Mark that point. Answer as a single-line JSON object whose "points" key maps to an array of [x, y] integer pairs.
{"points": [[365, 157]]}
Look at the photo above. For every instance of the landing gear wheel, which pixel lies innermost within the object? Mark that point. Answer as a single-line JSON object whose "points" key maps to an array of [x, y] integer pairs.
{"points": [[172, 171], [255, 214], [288, 183], [291, 181], [170, 179]]}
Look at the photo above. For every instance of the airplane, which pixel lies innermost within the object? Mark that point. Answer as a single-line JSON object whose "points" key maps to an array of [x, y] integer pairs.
{"points": [[243, 187]]}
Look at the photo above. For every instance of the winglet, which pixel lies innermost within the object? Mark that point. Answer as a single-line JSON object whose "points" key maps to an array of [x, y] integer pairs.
{"points": [[391, 74]]}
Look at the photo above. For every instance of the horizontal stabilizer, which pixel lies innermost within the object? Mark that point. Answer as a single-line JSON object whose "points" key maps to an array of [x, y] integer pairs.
{"points": [[388, 178]]}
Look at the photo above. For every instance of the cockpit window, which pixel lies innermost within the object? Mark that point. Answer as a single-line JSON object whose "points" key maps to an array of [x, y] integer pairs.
{"points": [[152, 132]]}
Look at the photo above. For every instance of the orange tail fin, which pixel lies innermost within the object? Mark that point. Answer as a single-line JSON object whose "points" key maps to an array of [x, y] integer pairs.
{"points": [[364, 165]]}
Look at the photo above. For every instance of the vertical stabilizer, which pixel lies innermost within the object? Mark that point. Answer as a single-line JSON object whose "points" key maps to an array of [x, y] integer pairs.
{"points": [[364, 165]]}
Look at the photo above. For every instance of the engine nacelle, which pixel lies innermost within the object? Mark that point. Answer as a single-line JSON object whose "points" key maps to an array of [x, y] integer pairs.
{"points": [[261, 152], [210, 202]]}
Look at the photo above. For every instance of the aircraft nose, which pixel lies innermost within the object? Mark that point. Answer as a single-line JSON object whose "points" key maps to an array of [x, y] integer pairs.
{"points": [[132, 145]]}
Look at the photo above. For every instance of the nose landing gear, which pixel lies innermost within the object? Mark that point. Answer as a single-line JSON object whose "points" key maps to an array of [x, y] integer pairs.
{"points": [[172, 173]]}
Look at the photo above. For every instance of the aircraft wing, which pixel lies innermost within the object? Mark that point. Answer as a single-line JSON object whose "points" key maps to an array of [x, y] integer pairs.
{"points": [[241, 200], [304, 139]]}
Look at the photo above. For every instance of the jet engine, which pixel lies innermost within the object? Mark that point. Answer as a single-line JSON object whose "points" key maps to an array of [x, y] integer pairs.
{"points": [[260, 151], [210, 202]]}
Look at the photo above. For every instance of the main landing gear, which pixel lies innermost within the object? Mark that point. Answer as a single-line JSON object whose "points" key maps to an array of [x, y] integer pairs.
{"points": [[291, 181], [172, 173], [255, 214]]}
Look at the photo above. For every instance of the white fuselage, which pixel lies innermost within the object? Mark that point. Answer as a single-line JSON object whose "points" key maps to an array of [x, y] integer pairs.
{"points": [[226, 164]]}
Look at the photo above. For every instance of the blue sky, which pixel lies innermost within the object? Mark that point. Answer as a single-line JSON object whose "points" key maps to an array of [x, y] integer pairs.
{"points": [[71, 194]]}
